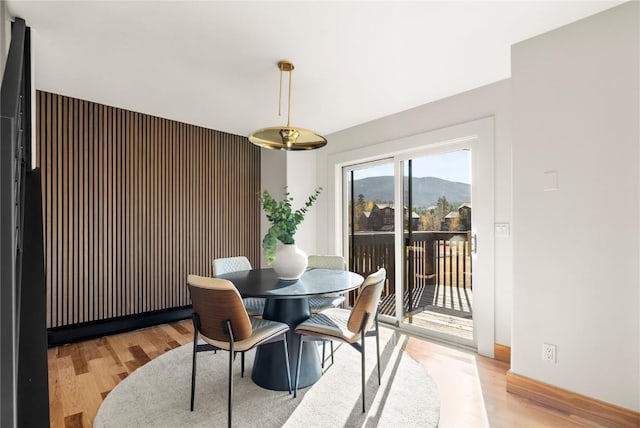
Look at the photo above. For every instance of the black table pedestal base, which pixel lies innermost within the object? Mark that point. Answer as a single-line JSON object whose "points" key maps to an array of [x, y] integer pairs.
{"points": [[269, 364]]}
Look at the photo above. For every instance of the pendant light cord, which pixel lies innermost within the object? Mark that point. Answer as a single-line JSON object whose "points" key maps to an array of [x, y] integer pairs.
{"points": [[280, 96], [289, 101], [285, 66]]}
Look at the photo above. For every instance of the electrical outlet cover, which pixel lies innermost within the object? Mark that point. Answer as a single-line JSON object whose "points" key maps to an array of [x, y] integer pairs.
{"points": [[549, 352]]}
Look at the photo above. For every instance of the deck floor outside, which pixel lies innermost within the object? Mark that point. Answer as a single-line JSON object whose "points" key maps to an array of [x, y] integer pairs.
{"points": [[442, 308]]}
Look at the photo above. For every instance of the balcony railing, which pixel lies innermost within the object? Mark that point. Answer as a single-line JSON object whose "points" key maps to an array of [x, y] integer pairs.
{"points": [[432, 258]]}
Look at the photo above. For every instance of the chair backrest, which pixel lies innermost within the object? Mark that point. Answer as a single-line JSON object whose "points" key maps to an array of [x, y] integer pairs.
{"points": [[230, 264], [327, 262], [367, 301], [216, 301]]}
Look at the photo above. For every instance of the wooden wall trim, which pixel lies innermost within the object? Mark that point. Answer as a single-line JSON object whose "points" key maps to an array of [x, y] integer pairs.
{"points": [[571, 402], [133, 203], [502, 353]]}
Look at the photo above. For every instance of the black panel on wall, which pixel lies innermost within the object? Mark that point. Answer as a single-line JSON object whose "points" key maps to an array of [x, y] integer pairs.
{"points": [[33, 377]]}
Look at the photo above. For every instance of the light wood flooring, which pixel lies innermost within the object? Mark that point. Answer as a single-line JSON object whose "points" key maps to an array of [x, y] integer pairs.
{"points": [[472, 388]]}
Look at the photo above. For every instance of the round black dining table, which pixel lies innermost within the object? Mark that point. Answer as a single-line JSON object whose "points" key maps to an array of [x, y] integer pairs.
{"points": [[288, 302]]}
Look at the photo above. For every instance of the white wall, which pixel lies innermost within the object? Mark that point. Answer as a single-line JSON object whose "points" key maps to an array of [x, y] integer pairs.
{"points": [[273, 177], [301, 183], [492, 100], [576, 101], [296, 171]]}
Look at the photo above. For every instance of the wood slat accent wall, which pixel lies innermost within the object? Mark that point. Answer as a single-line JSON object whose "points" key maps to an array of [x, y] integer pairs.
{"points": [[133, 203]]}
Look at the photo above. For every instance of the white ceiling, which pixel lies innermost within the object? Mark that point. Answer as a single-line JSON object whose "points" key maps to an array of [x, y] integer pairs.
{"points": [[213, 64]]}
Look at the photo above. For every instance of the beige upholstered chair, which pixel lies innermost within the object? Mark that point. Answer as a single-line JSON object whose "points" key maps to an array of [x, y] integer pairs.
{"points": [[220, 318], [254, 305], [349, 326]]}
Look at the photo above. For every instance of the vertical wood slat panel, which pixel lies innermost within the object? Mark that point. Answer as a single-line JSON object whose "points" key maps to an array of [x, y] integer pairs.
{"points": [[134, 203], [56, 197], [66, 237]]}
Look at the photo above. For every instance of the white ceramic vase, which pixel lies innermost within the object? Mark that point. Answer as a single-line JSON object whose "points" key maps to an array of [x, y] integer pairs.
{"points": [[290, 262]]}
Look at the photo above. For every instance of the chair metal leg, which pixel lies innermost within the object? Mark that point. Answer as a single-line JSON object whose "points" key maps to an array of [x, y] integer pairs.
{"points": [[230, 388], [286, 360], [231, 357], [193, 363], [362, 368], [295, 389], [242, 364], [324, 342], [378, 348], [331, 342], [363, 335]]}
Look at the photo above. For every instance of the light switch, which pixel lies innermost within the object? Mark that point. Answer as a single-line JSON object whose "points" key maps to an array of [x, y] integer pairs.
{"points": [[550, 182], [502, 230]]}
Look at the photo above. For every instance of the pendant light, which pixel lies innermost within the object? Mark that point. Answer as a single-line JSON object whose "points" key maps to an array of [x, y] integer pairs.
{"points": [[287, 137]]}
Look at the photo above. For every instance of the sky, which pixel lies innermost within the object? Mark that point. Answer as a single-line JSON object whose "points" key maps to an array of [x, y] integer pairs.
{"points": [[452, 166]]}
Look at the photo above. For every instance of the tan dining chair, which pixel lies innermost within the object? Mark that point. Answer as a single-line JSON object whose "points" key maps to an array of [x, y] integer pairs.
{"points": [[254, 305], [349, 326], [220, 318]]}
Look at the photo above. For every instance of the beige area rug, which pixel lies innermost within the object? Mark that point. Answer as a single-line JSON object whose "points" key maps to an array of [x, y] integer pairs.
{"points": [[157, 394]]}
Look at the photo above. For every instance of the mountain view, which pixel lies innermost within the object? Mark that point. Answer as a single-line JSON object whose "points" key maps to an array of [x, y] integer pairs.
{"points": [[426, 190]]}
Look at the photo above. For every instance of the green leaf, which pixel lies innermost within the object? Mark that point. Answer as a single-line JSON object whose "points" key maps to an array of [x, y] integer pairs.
{"points": [[284, 221]]}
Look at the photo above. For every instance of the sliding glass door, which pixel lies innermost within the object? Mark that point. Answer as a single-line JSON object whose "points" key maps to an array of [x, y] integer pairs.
{"points": [[412, 214]]}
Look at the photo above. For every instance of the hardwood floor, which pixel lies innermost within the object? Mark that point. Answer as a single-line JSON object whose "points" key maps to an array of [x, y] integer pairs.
{"points": [[473, 391], [472, 388], [82, 374]]}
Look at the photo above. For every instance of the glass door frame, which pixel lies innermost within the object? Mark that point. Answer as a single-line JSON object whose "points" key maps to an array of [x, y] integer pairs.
{"points": [[399, 163], [346, 191]]}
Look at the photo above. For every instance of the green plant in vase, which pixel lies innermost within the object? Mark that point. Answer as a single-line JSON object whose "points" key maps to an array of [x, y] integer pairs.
{"points": [[284, 220]]}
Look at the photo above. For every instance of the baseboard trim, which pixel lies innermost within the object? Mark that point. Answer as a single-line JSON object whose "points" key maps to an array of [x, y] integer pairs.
{"points": [[85, 331], [571, 402], [502, 353]]}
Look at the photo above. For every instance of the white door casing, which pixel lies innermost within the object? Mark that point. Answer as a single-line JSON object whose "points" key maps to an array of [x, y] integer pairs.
{"points": [[477, 135]]}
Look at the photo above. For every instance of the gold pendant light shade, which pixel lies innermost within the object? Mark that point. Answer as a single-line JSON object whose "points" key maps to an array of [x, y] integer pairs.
{"points": [[287, 137]]}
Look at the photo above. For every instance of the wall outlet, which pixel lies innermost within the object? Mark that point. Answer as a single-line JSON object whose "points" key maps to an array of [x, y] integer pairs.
{"points": [[549, 352]]}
